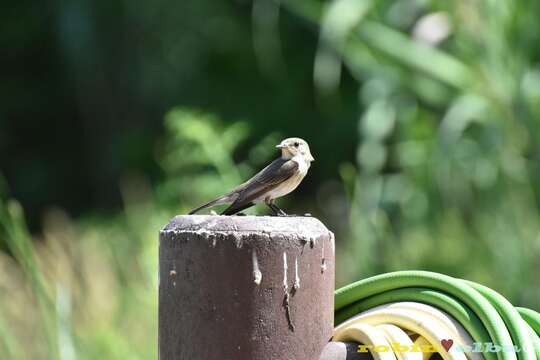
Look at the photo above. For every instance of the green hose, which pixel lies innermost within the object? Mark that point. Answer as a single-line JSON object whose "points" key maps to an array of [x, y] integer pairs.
{"points": [[402, 279], [531, 317], [536, 341], [484, 313], [514, 323]]}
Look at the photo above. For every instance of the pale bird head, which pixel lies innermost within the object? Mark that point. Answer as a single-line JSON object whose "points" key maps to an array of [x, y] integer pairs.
{"points": [[293, 147]]}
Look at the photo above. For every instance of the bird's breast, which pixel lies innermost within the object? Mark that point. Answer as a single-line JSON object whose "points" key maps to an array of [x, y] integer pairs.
{"points": [[291, 183]]}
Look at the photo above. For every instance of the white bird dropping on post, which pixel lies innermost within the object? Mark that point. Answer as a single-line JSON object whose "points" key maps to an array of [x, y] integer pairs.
{"points": [[296, 285], [285, 268], [257, 275]]}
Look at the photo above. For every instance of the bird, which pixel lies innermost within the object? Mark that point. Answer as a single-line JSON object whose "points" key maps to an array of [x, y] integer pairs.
{"points": [[277, 179]]}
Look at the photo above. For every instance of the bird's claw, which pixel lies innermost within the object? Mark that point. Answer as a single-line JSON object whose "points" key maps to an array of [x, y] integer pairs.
{"points": [[280, 213]]}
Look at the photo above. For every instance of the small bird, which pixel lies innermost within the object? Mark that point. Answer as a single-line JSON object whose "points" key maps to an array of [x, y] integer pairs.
{"points": [[277, 179]]}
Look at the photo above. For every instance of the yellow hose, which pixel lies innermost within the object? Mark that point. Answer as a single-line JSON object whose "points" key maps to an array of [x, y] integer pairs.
{"points": [[421, 323], [396, 336], [367, 335]]}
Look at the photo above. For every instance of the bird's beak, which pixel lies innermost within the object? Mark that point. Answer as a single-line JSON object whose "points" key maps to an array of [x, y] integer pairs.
{"points": [[311, 158], [280, 146]]}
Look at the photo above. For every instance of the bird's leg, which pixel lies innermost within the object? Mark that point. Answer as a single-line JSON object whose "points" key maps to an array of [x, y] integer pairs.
{"points": [[269, 203], [280, 211], [272, 207], [277, 211]]}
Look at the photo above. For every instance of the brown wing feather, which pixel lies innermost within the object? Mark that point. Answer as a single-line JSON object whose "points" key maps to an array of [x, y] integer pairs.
{"points": [[267, 179]]}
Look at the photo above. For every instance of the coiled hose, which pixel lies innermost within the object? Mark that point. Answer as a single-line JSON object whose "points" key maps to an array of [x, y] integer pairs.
{"points": [[484, 315]]}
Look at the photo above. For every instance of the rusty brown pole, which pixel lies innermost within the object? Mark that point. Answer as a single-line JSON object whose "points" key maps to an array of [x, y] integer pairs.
{"points": [[245, 287]]}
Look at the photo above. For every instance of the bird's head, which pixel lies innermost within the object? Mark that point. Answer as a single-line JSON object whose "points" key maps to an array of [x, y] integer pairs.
{"points": [[292, 147]]}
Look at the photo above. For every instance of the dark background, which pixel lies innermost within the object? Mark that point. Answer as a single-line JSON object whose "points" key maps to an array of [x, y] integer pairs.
{"points": [[86, 86]]}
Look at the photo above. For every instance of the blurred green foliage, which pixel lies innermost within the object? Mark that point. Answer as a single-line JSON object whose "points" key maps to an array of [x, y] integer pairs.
{"points": [[440, 101]]}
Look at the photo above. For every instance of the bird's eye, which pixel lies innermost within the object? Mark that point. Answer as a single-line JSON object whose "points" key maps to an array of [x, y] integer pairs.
{"points": [[296, 144]]}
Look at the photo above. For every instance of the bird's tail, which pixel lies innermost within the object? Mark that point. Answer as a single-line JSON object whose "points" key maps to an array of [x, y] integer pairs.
{"points": [[220, 200]]}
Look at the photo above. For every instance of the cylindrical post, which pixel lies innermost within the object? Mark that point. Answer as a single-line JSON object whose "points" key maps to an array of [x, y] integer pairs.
{"points": [[245, 287]]}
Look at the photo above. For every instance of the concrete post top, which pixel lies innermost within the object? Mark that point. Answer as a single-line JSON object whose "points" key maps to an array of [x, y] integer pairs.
{"points": [[265, 224]]}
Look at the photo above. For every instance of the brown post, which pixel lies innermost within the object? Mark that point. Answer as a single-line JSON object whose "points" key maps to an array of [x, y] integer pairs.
{"points": [[245, 287]]}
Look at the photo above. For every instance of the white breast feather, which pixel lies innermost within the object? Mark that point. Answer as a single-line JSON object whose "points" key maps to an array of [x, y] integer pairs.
{"points": [[291, 183]]}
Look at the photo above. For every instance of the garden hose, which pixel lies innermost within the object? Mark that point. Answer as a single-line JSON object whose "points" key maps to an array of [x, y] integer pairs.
{"points": [[535, 339], [380, 283], [420, 342], [367, 335], [508, 333], [416, 321], [457, 309], [531, 317], [512, 319], [458, 332], [395, 335], [428, 314]]}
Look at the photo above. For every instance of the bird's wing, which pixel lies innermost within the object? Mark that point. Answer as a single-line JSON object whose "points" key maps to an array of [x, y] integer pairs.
{"points": [[271, 176]]}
